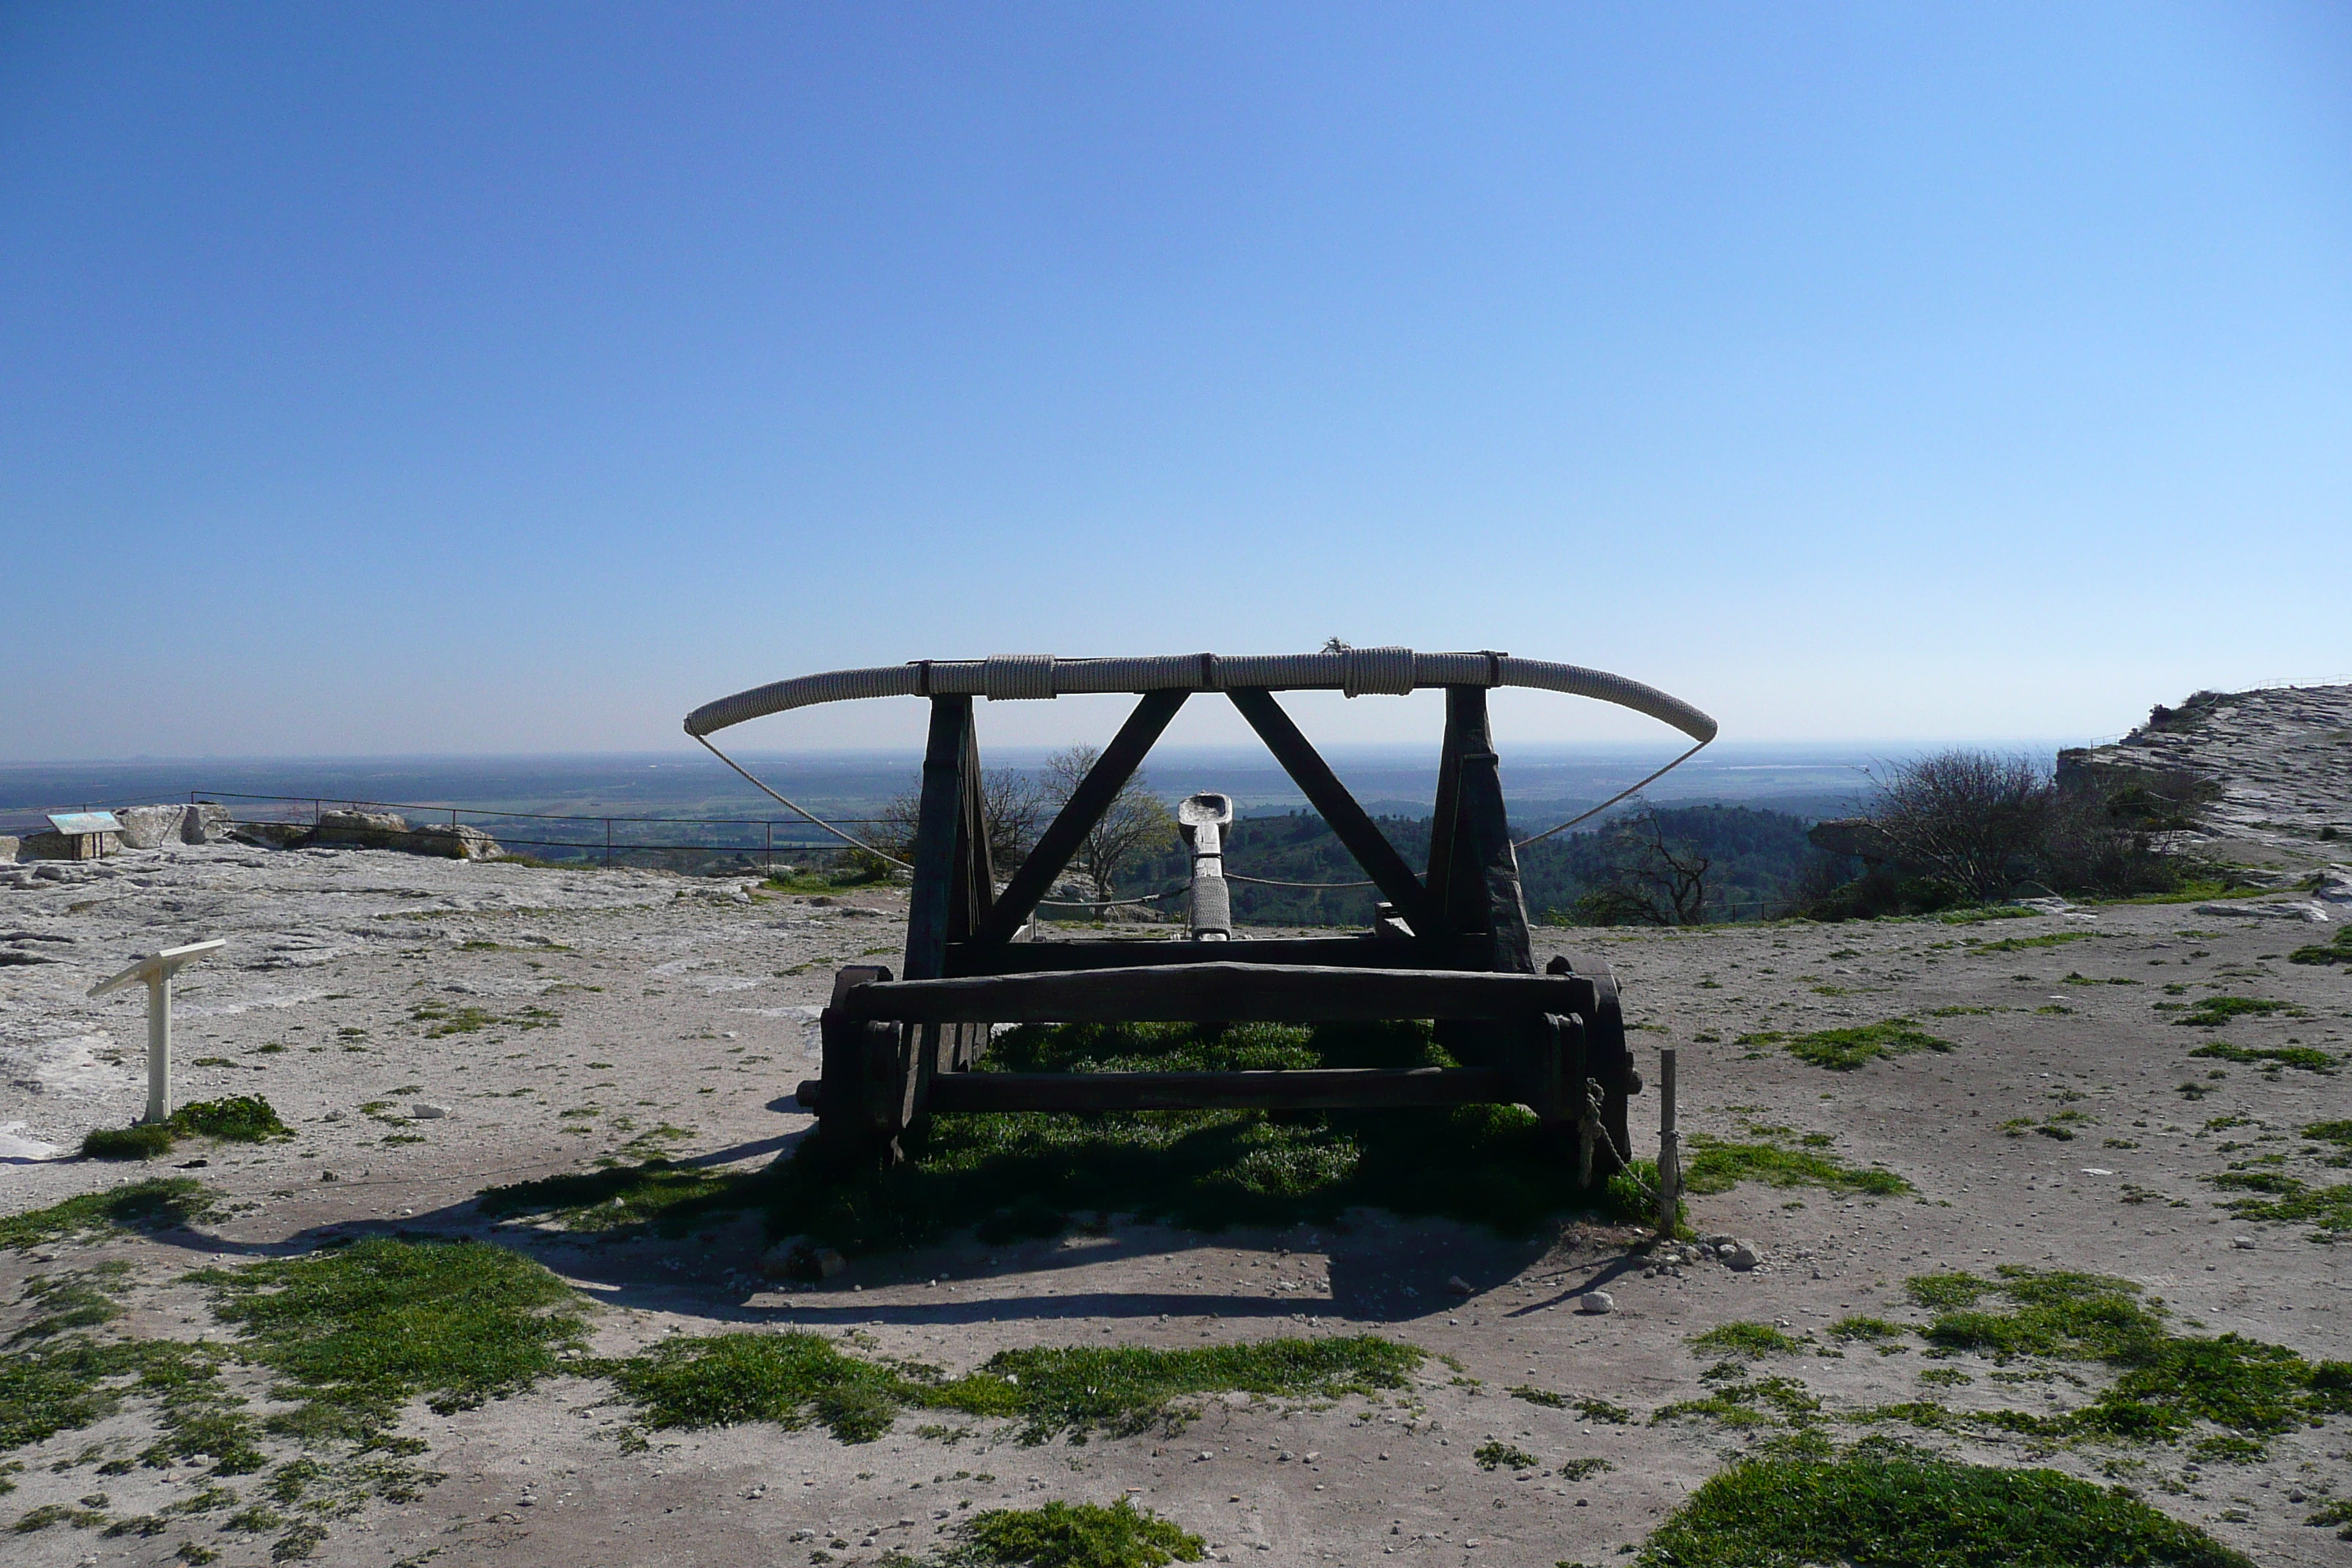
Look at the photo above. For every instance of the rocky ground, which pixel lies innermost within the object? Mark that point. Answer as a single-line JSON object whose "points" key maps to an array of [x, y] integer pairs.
{"points": [[2280, 756], [557, 1016]]}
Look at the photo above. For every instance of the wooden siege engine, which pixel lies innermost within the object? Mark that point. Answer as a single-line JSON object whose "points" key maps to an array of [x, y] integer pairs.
{"points": [[1450, 944]]}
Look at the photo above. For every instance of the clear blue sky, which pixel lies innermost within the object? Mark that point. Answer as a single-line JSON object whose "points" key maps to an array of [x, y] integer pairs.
{"points": [[495, 377]]}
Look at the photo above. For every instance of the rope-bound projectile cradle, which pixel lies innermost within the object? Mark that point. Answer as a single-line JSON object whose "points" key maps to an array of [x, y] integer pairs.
{"points": [[1357, 671]]}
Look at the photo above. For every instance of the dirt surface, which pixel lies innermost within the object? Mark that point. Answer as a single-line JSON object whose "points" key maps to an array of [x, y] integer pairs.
{"points": [[639, 1002]]}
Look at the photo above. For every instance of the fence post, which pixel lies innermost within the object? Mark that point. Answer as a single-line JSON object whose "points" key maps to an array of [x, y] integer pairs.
{"points": [[768, 859], [608, 844], [1670, 1137]]}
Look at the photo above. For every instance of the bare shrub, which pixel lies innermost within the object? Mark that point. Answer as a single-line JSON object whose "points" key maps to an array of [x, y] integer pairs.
{"points": [[1652, 881], [1012, 804], [1136, 819], [1967, 818]]}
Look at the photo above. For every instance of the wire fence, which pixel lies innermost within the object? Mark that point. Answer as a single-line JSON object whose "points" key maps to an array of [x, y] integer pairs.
{"points": [[594, 839], [598, 838]]}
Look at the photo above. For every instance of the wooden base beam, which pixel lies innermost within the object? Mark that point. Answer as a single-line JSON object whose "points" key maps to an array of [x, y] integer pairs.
{"points": [[1218, 993]]}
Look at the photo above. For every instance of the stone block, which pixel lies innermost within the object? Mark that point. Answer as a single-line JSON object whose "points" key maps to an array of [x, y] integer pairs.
{"points": [[150, 826]]}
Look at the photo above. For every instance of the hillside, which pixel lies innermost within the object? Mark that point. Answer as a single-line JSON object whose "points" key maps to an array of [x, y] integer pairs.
{"points": [[1754, 855]]}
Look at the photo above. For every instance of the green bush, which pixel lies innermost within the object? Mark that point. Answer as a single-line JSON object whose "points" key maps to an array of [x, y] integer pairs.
{"points": [[139, 1140], [1885, 1505], [240, 1119], [1078, 1535]]}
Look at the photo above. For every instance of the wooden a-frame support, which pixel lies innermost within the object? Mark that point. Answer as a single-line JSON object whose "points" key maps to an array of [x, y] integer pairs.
{"points": [[1466, 913]]}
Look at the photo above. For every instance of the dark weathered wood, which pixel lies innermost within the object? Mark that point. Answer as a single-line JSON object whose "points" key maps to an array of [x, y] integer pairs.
{"points": [[975, 870], [939, 822], [1483, 891], [1440, 874], [1085, 808], [1343, 951], [1313, 1089], [1348, 821], [1209, 992]]}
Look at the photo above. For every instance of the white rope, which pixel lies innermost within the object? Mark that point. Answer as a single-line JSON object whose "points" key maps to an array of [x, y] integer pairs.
{"points": [[1112, 903], [1613, 799], [1522, 844], [805, 811]]}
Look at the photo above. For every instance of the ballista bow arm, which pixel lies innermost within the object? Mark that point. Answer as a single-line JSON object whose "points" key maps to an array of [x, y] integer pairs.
{"points": [[1358, 671]]}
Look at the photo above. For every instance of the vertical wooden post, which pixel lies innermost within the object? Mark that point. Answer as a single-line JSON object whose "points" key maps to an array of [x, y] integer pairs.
{"points": [[940, 908], [1482, 882], [1670, 1145]]}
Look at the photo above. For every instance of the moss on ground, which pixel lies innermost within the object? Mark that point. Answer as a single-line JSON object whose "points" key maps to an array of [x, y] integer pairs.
{"points": [[1843, 1050], [798, 1379], [240, 1119], [360, 1330], [1074, 1535], [1754, 1341], [157, 1203], [1494, 1455], [2276, 1197], [2336, 949], [2269, 1058], [2213, 1012], [1883, 1505], [2027, 943], [1717, 1165], [2167, 1386], [1029, 1173]]}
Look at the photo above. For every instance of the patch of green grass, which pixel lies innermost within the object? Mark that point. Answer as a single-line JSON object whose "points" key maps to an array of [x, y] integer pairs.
{"points": [[2024, 944], [1737, 1401], [442, 1021], [2078, 978], [1989, 913], [798, 1378], [1715, 1165], [59, 1373], [2339, 949], [156, 1203], [1492, 1455], [1542, 1396], [1881, 1504], [1843, 1050], [240, 1119], [359, 1330], [2213, 1012], [668, 1197], [1600, 1410], [2287, 1200], [1011, 1175], [1076, 1535], [1585, 1469], [2336, 1512], [2302, 1057], [1754, 1341], [1862, 1328], [139, 1140], [2166, 1383]]}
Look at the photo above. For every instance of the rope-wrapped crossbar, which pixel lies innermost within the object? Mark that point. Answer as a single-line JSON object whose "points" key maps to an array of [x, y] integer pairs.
{"points": [[1356, 671]]}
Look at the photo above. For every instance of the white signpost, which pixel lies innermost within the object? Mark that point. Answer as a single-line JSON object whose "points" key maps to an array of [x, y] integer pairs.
{"points": [[157, 971]]}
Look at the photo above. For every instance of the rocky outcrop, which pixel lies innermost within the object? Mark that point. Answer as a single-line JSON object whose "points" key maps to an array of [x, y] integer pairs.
{"points": [[389, 830], [152, 827], [2262, 776]]}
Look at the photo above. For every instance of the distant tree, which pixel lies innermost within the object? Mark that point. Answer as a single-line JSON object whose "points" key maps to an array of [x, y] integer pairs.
{"points": [[1651, 880], [1137, 820], [1012, 804]]}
